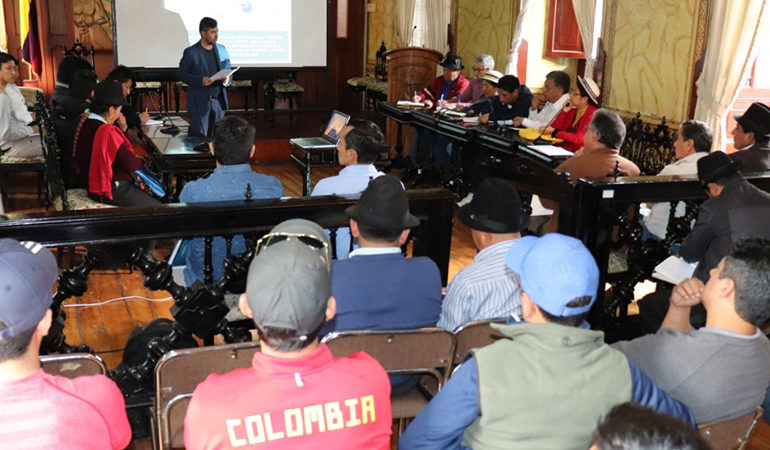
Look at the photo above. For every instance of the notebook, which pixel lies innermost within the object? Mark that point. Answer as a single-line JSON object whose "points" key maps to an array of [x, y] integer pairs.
{"points": [[331, 135]]}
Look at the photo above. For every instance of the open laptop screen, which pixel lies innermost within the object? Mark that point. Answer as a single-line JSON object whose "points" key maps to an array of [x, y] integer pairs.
{"points": [[336, 123]]}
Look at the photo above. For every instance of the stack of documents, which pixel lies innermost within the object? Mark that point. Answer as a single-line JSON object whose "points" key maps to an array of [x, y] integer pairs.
{"points": [[551, 150], [409, 103], [674, 270]]}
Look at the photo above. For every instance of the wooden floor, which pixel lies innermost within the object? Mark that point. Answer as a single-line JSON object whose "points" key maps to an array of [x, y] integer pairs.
{"points": [[106, 327]]}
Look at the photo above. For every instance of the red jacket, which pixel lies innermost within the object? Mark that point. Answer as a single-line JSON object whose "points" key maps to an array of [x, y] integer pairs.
{"points": [[433, 91], [315, 401], [573, 136]]}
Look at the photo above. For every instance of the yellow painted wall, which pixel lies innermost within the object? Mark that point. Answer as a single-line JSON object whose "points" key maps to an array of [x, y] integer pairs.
{"points": [[382, 27], [487, 27], [484, 27], [650, 56]]}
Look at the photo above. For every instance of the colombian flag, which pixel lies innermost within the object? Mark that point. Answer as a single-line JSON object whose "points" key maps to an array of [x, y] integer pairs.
{"points": [[30, 50]]}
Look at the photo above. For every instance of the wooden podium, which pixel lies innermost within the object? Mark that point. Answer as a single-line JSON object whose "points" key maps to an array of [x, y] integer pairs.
{"points": [[410, 69]]}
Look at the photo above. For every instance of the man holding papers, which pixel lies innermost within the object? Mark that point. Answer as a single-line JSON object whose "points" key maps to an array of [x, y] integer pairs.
{"points": [[206, 94]]}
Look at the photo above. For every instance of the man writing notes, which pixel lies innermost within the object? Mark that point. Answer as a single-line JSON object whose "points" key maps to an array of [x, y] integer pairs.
{"points": [[206, 98]]}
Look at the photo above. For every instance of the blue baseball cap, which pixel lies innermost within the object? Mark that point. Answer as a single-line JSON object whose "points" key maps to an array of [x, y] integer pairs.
{"points": [[27, 273], [554, 270]]}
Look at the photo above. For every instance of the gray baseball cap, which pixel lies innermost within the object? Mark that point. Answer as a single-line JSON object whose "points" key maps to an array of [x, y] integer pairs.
{"points": [[289, 284], [27, 273]]}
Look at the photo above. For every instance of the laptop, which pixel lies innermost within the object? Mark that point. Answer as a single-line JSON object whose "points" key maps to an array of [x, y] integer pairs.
{"points": [[331, 135]]}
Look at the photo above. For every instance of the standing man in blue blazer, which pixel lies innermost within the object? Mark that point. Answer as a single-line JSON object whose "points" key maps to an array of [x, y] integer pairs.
{"points": [[206, 99]]}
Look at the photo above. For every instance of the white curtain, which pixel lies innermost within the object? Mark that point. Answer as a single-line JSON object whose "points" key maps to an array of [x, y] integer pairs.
{"points": [[405, 18], [585, 15], [437, 19], [518, 30], [733, 32]]}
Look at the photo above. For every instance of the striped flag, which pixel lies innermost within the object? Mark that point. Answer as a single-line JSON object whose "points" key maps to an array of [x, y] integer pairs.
{"points": [[30, 50]]}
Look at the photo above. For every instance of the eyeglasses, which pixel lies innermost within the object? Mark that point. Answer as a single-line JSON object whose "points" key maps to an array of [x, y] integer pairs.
{"points": [[307, 239], [477, 70]]}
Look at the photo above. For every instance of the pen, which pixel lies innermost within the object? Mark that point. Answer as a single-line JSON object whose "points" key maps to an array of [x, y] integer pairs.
{"points": [[147, 107]]}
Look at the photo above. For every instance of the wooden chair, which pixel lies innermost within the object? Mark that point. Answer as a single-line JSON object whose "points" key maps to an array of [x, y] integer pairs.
{"points": [[474, 334], [733, 434], [10, 164], [427, 351], [63, 199], [73, 365], [178, 373]]}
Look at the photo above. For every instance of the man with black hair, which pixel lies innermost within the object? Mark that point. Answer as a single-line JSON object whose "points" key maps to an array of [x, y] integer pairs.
{"points": [[295, 394], [378, 288], [547, 105], [357, 149], [233, 147], [206, 98], [512, 100], [752, 138], [103, 157], [721, 370], [39, 410], [550, 379], [630, 426], [130, 117], [693, 142], [18, 137]]}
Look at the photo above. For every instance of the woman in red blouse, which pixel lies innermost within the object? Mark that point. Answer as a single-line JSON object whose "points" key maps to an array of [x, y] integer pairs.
{"points": [[572, 122]]}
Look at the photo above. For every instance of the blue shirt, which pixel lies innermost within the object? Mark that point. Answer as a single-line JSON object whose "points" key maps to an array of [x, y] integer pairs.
{"points": [[226, 183], [442, 422], [486, 289], [351, 180]]}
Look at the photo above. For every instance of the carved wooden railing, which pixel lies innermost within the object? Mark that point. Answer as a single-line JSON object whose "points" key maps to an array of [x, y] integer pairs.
{"points": [[608, 219], [649, 146], [198, 309]]}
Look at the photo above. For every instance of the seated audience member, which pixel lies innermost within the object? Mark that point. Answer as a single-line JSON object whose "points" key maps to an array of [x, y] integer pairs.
{"points": [[752, 138], [630, 426], [721, 370], [545, 106], [512, 100], [233, 147], [295, 394], [600, 154], [547, 383], [103, 157], [378, 288], [483, 64], [450, 84], [572, 122], [75, 83], [357, 150], [129, 116], [487, 289], [735, 209], [39, 410], [693, 142], [17, 137]]}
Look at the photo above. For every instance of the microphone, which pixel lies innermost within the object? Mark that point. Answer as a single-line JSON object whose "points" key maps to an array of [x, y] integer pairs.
{"points": [[411, 38]]}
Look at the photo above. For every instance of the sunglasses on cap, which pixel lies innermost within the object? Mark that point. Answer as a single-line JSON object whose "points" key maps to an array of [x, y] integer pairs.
{"points": [[307, 239]]}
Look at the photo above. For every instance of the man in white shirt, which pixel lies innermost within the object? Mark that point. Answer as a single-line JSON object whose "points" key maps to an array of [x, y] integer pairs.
{"points": [[488, 288], [16, 136], [357, 150], [547, 105], [693, 141]]}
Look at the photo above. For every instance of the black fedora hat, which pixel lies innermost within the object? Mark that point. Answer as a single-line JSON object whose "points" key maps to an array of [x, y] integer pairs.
{"points": [[716, 165], [383, 206], [756, 119], [495, 208], [452, 62], [108, 93]]}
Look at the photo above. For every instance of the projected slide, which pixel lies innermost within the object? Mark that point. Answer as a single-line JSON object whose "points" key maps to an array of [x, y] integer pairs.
{"points": [[257, 33], [254, 32]]}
